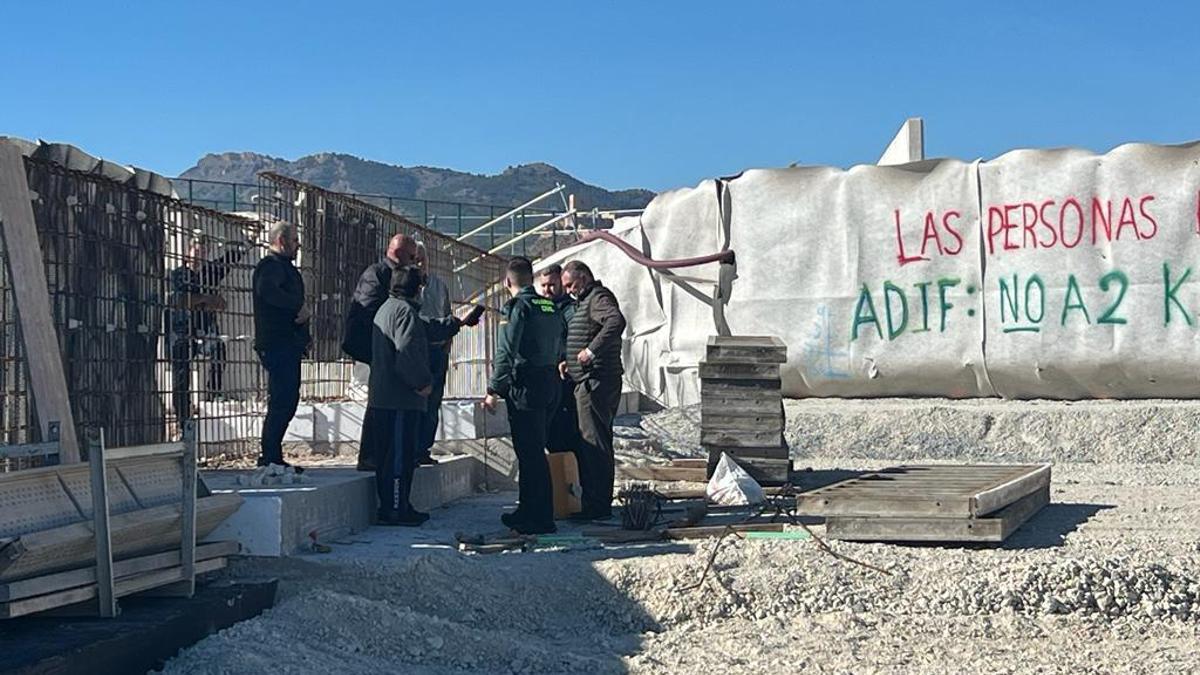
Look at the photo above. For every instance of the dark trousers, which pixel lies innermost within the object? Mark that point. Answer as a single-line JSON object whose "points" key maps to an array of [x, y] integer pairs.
{"points": [[439, 363], [283, 395], [533, 471], [596, 404], [182, 351], [376, 437], [563, 434], [394, 468]]}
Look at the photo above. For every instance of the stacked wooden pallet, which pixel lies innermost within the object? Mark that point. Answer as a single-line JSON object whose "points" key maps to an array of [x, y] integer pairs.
{"points": [[741, 405], [948, 503]]}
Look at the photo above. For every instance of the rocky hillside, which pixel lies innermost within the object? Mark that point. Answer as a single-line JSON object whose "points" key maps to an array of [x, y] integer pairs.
{"points": [[347, 173]]}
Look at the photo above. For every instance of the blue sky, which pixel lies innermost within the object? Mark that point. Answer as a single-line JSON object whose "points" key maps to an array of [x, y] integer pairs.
{"points": [[622, 94]]}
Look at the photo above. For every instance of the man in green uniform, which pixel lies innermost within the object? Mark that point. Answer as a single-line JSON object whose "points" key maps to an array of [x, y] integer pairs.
{"points": [[525, 374]]}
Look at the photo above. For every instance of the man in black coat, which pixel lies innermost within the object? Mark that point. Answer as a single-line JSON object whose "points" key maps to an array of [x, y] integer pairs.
{"points": [[593, 362], [281, 335]]}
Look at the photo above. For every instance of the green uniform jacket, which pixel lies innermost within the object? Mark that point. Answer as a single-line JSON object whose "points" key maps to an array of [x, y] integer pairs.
{"points": [[528, 350]]}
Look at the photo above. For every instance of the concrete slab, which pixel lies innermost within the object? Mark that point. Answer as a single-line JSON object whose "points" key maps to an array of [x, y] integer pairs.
{"points": [[342, 421], [334, 502]]}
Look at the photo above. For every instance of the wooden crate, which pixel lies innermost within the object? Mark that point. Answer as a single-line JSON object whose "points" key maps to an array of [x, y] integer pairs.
{"points": [[993, 528]]}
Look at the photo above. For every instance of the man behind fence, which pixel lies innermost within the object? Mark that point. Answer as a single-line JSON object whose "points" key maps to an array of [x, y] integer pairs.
{"points": [[281, 335], [593, 361], [195, 301], [435, 304]]}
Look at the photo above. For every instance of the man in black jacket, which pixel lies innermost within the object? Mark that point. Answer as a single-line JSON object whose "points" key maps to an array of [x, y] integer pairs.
{"points": [[281, 335], [369, 295], [593, 362], [195, 301], [528, 348]]}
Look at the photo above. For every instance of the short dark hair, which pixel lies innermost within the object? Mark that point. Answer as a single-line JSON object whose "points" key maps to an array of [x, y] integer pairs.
{"points": [[407, 281], [520, 270], [577, 267], [550, 270]]}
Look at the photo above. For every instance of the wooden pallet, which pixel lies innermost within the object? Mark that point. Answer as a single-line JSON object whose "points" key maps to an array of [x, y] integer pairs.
{"points": [[741, 405], [931, 502]]}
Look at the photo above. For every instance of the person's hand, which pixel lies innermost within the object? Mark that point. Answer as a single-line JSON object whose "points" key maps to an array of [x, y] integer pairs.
{"points": [[425, 391], [562, 369], [304, 314], [489, 403], [585, 357]]}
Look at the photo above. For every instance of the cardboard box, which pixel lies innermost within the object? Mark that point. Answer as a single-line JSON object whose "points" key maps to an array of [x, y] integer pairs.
{"points": [[564, 484]]}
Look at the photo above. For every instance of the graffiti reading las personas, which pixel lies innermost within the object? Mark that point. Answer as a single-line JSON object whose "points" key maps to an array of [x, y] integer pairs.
{"points": [[1027, 301]]}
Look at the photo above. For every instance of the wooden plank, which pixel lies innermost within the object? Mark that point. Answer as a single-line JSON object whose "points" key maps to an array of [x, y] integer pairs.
{"points": [[690, 463], [26, 588], [24, 253], [134, 533], [138, 451], [704, 531], [100, 527], [998, 496], [739, 387], [187, 549], [766, 471], [745, 349], [714, 371], [127, 586], [741, 439], [741, 422], [994, 528], [773, 452], [662, 473]]}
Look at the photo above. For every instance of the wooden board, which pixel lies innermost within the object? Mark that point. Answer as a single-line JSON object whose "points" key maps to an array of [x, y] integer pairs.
{"points": [[994, 528], [24, 252], [939, 491], [133, 533], [741, 438], [717, 370], [663, 473], [127, 586], [26, 588], [745, 349], [718, 530]]}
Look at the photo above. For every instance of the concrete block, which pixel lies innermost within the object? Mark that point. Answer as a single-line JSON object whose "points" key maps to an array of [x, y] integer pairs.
{"points": [[466, 418], [493, 459], [276, 520]]}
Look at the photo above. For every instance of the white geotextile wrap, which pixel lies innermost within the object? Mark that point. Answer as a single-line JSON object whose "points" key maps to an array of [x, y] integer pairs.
{"points": [[1040, 274]]}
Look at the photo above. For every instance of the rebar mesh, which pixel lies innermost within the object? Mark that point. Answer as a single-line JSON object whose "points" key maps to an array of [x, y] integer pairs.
{"points": [[113, 258]]}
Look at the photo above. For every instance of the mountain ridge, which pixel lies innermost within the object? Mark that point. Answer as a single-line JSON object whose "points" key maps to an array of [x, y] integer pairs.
{"points": [[348, 173]]}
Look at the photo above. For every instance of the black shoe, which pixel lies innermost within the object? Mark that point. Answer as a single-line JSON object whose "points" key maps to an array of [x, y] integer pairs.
{"points": [[397, 519], [427, 461], [536, 528], [512, 520], [262, 461], [417, 515], [366, 466]]}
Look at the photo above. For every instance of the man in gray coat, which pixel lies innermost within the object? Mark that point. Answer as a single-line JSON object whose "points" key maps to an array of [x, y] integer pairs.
{"points": [[400, 385]]}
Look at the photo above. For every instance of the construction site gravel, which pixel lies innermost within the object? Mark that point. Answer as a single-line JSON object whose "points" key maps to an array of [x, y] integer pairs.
{"points": [[1105, 579]]}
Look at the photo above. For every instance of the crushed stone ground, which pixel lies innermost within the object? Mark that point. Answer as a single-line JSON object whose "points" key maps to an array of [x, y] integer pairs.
{"points": [[1105, 579]]}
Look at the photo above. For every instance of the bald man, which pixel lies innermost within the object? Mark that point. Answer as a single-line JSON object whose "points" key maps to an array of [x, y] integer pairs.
{"points": [[369, 295]]}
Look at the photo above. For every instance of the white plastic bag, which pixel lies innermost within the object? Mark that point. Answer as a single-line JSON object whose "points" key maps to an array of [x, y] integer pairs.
{"points": [[730, 485]]}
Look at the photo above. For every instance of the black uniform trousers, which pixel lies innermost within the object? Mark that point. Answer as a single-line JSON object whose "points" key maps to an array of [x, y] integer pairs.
{"points": [[397, 461], [529, 420], [596, 402]]}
